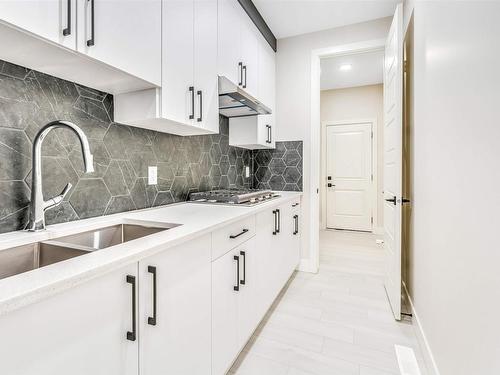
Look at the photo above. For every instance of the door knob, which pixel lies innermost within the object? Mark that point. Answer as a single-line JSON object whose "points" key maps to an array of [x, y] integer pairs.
{"points": [[330, 185], [405, 200]]}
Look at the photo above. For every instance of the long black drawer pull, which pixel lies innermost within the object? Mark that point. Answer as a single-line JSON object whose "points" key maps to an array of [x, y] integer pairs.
{"points": [[191, 90], [152, 319], [243, 281], [91, 41], [237, 286], [240, 73], [268, 140], [279, 220], [132, 335], [245, 70], [67, 30], [296, 224], [233, 236], [275, 217], [200, 94]]}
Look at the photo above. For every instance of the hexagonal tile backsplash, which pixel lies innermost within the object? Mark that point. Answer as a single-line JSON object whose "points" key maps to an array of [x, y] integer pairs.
{"points": [[122, 154]]}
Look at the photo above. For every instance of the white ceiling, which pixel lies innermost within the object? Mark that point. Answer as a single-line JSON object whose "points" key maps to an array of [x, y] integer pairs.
{"points": [[293, 17], [366, 69]]}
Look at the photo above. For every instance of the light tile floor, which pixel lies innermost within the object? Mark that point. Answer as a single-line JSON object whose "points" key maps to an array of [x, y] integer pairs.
{"points": [[335, 322]]}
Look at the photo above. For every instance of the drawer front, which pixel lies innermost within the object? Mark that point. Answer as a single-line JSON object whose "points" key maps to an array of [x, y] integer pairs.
{"points": [[232, 235]]}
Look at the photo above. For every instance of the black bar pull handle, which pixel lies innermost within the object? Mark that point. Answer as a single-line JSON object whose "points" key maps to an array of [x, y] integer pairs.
{"points": [[91, 41], [237, 286], [131, 335], [296, 224], [244, 69], [243, 281], [268, 140], [67, 30], [295, 205], [200, 94], [275, 221], [279, 220], [191, 90], [233, 236], [152, 319], [393, 200], [240, 73]]}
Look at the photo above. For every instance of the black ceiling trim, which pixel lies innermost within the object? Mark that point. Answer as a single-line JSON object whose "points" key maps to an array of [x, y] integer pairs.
{"points": [[261, 24]]}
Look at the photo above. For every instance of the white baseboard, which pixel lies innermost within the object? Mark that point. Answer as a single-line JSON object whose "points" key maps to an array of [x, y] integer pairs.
{"points": [[305, 265], [424, 344]]}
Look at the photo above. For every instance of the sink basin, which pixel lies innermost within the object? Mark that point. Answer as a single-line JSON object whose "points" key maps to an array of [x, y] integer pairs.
{"points": [[20, 259], [113, 235], [28, 257]]}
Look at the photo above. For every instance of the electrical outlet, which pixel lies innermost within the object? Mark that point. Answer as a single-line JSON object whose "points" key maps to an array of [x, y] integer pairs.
{"points": [[247, 171], [152, 175]]}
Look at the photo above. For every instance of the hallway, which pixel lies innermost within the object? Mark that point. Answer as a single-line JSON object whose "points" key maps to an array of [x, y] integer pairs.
{"points": [[335, 322]]}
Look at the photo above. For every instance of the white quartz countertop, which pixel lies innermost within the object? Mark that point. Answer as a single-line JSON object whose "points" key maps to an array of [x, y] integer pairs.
{"points": [[195, 219]]}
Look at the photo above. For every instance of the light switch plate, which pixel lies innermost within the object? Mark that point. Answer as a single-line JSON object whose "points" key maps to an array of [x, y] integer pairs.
{"points": [[247, 171], [152, 175]]}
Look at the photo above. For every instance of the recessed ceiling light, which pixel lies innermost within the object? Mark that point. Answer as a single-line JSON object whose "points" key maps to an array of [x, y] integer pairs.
{"points": [[345, 67]]}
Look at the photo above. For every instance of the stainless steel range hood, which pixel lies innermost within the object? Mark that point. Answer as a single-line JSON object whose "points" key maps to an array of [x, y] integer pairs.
{"points": [[236, 102]]}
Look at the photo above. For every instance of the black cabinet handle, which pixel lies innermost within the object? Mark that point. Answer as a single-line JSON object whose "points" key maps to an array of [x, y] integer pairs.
{"points": [[279, 221], [270, 134], [275, 217], [132, 335], [237, 286], [152, 319], [191, 90], [67, 30], [240, 71], [393, 200], [200, 94], [245, 70], [296, 224], [268, 140], [91, 41], [242, 281], [295, 205], [233, 236]]}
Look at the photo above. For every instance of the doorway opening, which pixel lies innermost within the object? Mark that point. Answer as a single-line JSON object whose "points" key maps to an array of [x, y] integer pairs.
{"points": [[351, 109]]}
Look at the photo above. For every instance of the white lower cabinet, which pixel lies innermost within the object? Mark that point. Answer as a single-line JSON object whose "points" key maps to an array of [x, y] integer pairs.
{"points": [[175, 310], [81, 331]]}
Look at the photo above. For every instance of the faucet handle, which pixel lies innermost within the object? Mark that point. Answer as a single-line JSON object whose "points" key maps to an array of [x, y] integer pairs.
{"points": [[55, 201]]}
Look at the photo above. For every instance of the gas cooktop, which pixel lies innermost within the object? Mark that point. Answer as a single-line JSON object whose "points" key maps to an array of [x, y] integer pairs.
{"points": [[240, 197]]}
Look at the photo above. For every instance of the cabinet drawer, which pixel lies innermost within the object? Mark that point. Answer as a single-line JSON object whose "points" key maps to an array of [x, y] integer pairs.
{"points": [[232, 235]]}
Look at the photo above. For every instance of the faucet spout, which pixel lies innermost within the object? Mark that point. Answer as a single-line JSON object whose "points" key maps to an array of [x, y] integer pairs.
{"points": [[38, 205]]}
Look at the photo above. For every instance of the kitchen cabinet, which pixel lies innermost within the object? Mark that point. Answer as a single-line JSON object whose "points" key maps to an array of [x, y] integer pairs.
{"points": [[187, 102], [84, 330], [252, 132], [53, 20], [175, 310]]}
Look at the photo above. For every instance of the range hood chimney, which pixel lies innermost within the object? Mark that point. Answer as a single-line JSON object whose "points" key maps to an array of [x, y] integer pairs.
{"points": [[236, 102]]}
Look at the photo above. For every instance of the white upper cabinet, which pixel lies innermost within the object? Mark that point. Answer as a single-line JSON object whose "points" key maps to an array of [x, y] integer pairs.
{"points": [[54, 20], [267, 74], [123, 34], [187, 102], [249, 56]]}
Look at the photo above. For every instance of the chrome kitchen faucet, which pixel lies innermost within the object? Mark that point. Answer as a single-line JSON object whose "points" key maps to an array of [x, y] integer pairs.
{"points": [[38, 205]]}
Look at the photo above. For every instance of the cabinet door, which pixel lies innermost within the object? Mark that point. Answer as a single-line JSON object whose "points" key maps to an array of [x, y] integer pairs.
{"points": [[176, 338], [54, 20], [265, 130], [178, 93], [229, 41], [123, 34], [225, 343], [267, 74], [205, 64], [81, 331], [249, 55]]}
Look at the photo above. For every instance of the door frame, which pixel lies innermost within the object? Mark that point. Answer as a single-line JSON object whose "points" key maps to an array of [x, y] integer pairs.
{"points": [[311, 264], [374, 167]]}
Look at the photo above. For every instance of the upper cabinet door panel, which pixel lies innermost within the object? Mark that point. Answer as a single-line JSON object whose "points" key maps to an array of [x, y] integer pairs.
{"points": [[205, 64], [267, 74], [249, 55], [123, 34], [178, 100], [229, 48], [54, 20]]}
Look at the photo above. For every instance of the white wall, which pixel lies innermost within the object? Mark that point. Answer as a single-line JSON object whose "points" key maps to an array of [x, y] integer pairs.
{"points": [[357, 103], [293, 91], [454, 264]]}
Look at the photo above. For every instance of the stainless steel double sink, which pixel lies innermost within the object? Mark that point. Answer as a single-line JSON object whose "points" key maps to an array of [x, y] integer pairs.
{"points": [[20, 259]]}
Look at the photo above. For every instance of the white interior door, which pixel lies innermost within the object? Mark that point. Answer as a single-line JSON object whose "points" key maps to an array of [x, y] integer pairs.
{"points": [[393, 137], [349, 176]]}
